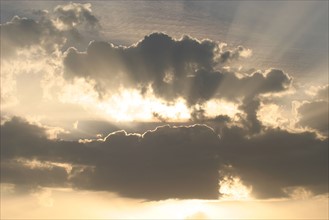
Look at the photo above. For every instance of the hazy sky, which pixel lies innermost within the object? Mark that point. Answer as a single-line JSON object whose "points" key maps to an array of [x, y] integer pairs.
{"points": [[164, 109]]}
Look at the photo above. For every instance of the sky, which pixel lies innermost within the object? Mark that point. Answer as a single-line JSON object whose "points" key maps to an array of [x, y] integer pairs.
{"points": [[164, 109]]}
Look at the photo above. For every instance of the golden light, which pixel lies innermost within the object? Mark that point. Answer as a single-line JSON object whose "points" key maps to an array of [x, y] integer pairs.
{"points": [[181, 209], [125, 105], [130, 105], [215, 107], [232, 188], [273, 115]]}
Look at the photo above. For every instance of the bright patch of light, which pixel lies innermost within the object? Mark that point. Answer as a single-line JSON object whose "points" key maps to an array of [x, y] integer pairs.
{"points": [[273, 115], [130, 105], [126, 104], [80, 92], [217, 107], [232, 188], [246, 53], [182, 209]]}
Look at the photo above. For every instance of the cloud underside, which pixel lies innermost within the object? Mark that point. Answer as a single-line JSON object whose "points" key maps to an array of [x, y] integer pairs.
{"points": [[169, 162]]}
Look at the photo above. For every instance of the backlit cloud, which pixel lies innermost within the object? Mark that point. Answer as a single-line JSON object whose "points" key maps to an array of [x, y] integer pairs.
{"points": [[171, 69], [168, 162], [49, 32], [73, 14]]}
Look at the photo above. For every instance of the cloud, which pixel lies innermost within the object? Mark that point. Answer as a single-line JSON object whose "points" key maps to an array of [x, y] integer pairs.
{"points": [[228, 86], [322, 93], [31, 53], [231, 55], [50, 32], [30, 178], [169, 162], [186, 68], [314, 115], [158, 60], [250, 106], [189, 69], [73, 14], [25, 33], [172, 68], [277, 159]]}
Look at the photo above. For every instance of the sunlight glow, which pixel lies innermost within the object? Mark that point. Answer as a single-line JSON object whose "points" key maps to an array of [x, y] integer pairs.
{"points": [[273, 115], [232, 188], [217, 107], [130, 105], [182, 209], [126, 105]]}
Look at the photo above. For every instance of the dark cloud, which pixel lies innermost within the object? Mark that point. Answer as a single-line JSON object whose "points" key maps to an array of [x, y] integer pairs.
{"points": [[228, 86], [173, 68], [158, 60], [165, 163], [30, 178], [18, 130], [25, 33], [250, 106], [184, 68], [276, 160], [45, 32], [168, 162]]}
